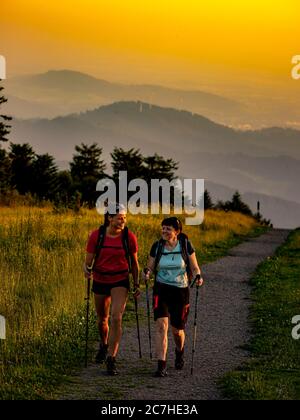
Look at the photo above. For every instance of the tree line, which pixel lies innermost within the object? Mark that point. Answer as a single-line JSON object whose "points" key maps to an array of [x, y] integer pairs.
{"points": [[235, 204], [28, 173]]}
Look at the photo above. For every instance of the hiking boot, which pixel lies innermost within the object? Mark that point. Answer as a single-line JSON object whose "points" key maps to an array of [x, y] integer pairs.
{"points": [[102, 353], [111, 366], [161, 369], [179, 361]]}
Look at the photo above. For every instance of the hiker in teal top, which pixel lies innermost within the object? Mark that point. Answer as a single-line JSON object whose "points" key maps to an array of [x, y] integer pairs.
{"points": [[173, 261], [171, 268]]}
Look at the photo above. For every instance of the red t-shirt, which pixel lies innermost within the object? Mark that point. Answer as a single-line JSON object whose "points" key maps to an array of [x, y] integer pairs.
{"points": [[112, 258]]}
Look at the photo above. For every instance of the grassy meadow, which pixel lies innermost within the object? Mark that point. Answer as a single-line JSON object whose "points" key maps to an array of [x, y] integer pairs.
{"points": [[43, 288]]}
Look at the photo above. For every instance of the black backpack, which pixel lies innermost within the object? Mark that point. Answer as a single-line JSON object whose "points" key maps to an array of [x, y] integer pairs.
{"points": [[183, 240], [125, 242]]}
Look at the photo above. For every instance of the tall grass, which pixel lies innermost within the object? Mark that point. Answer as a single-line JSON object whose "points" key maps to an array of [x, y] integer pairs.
{"points": [[43, 288]]}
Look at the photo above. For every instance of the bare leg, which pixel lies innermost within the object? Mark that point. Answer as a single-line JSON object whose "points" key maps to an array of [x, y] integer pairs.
{"points": [[119, 299], [179, 338], [161, 338], [102, 305]]}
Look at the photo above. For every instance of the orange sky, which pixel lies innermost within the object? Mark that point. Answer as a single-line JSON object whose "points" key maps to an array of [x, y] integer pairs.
{"points": [[177, 42]]}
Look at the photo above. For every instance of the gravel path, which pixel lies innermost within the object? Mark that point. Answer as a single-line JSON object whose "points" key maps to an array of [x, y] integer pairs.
{"points": [[223, 329]]}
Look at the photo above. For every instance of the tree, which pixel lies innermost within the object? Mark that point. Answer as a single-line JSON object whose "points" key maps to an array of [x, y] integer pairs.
{"points": [[137, 166], [5, 172], [65, 187], [45, 181], [87, 168], [5, 169], [237, 204], [22, 158], [130, 161], [157, 167], [146, 168], [4, 128], [208, 204]]}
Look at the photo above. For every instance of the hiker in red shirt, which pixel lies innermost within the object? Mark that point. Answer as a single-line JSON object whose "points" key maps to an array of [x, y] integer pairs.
{"points": [[115, 249]]}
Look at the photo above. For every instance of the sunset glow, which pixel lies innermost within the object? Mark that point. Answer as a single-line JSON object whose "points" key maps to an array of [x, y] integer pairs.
{"points": [[252, 36]]}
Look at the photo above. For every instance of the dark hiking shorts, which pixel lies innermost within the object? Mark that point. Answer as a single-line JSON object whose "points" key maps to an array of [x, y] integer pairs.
{"points": [[173, 301], [105, 288]]}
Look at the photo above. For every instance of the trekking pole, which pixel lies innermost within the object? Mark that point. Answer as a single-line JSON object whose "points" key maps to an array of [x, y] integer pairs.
{"points": [[87, 299], [198, 277], [138, 326], [146, 271]]}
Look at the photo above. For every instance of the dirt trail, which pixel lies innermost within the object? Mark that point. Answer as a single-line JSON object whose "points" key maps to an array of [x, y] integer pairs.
{"points": [[223, 328]]}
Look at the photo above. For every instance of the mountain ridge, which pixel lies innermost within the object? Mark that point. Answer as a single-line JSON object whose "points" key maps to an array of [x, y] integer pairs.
{"points": [[248, 161], [76, 91]]}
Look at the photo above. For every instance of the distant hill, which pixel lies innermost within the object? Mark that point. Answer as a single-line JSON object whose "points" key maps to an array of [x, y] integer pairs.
{"points": [[63, 92], [277, 175], [263, 162], [138, 124], [282, 213]]}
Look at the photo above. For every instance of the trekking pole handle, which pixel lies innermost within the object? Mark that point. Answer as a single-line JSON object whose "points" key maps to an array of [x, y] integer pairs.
{"points": [[198, 277], [88, 269], [146, 271]]}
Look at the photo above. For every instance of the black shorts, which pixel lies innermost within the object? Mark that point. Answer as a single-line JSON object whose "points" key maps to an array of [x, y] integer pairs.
{"points": [[105, 288], [173, 301]]}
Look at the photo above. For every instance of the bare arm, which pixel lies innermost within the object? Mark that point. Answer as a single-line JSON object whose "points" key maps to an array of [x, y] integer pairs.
{"points": [[149, 269], [135, 269], [151, 264], [194, 264], [89, 259], [195, 267], [88, 263]]}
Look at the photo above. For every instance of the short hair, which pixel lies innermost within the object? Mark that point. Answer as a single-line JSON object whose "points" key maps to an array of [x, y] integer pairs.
{"points": [[174, 222]]}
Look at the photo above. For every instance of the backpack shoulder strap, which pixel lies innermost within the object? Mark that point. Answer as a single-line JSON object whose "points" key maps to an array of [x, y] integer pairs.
{"points": [[183, 239], [185, 254], [100, 242], [159, 251], [125, 241]]}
